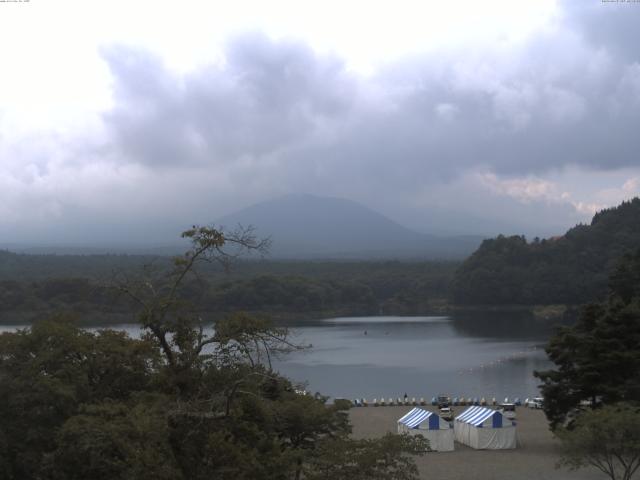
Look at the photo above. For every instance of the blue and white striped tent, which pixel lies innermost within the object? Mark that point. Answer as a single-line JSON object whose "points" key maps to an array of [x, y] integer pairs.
{"points": [[485, 428], [430, 425], [476, 416], [417, 416]]}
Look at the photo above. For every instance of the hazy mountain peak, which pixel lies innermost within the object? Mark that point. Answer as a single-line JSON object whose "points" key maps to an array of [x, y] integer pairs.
{"points": [[304, 225]]}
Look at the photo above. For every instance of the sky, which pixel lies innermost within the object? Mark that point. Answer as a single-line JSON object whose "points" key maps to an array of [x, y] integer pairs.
{"points": [[129, 121]]}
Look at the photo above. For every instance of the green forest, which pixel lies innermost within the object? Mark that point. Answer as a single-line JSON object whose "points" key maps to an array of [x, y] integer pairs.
{"points": [[505, 271], [31, 286], [572, 269]]}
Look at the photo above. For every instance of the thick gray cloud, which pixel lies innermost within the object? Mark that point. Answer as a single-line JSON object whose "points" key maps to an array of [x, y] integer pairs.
{"points": [[460, 140], [266, 97], [555, 101], [611, 25]]}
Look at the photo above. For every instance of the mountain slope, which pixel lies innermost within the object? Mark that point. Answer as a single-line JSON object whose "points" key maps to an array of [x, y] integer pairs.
{"points": [[571, 269], [307, 226]]}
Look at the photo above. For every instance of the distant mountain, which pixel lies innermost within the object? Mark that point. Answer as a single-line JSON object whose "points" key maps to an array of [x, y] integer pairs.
{"points": [[307, 226], [570, 269]]}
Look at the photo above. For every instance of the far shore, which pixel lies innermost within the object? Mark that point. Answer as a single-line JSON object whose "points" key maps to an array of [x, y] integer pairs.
{"points": [[107, 319]]}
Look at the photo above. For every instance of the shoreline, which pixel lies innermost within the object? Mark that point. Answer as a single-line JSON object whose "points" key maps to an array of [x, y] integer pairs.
{"points": [[542, 313]]}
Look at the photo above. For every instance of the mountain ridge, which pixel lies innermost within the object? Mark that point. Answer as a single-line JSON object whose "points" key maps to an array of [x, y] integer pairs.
{"points": [[310, 226]]}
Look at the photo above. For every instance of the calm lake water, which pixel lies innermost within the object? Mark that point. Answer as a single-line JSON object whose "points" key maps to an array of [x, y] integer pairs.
{"points": [[373, 357]]}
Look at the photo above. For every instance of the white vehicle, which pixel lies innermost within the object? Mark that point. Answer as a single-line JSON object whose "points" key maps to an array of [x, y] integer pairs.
{"points": [[446, 413], [535, 402], [508, 410]]}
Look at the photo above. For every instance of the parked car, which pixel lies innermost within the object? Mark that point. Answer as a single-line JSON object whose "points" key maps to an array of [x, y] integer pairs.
{"points": [[446, 413], [535, 402], [508, 410]]}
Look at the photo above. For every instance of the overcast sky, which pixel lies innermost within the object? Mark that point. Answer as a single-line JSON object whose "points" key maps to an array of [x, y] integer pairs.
{"points": [[127, 121]]}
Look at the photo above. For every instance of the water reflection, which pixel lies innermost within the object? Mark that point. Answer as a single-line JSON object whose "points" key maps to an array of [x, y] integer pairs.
{"points": [[388, 356], [505, 325]]}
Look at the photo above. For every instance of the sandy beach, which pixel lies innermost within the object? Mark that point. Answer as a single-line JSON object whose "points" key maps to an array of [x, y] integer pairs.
{"points": [[534, 459]]}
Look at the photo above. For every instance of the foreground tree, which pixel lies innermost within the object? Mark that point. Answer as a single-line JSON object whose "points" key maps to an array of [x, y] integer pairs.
{"points": [[598, 359], [607, 439], [384, 458], [180, 403], [49, 371], [169, 320], [114, 440]]}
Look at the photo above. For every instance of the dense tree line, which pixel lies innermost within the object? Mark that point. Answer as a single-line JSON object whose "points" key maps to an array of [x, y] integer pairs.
{"points": [[277, 288], [30, 267], [571, 269], [598, 359], [592, 395], [25, 267], [177, 403]]}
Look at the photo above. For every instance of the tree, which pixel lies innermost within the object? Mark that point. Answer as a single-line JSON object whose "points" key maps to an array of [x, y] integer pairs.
{"points": [[607, 438], [243, 338], [115, 440], [48, 372], [570, 269], [237, 418], [178, 403], [598, 359], [384, 458], [169, 320]]}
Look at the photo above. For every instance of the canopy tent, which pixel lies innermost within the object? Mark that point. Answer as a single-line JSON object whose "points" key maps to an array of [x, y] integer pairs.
{"points": [[431, 426], [483, 428]]}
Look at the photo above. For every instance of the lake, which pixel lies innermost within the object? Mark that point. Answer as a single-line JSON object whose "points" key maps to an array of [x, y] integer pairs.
{"points": [[373, 357]]}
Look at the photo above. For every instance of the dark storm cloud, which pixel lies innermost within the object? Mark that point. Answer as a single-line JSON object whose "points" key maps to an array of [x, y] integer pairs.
{"points": [[552, 102], [537, 133], [512, 116], [606, 24], [266, 97], [148, 120]]}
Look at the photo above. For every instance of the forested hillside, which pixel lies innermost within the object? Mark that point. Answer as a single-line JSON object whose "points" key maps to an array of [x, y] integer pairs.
{"points": [[571, 269], [34, 286]]}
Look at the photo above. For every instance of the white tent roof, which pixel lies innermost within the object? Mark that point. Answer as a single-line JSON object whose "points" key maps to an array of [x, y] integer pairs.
{"points": [[431, 426], [415, 417], [476, 416], [423, 419]]}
